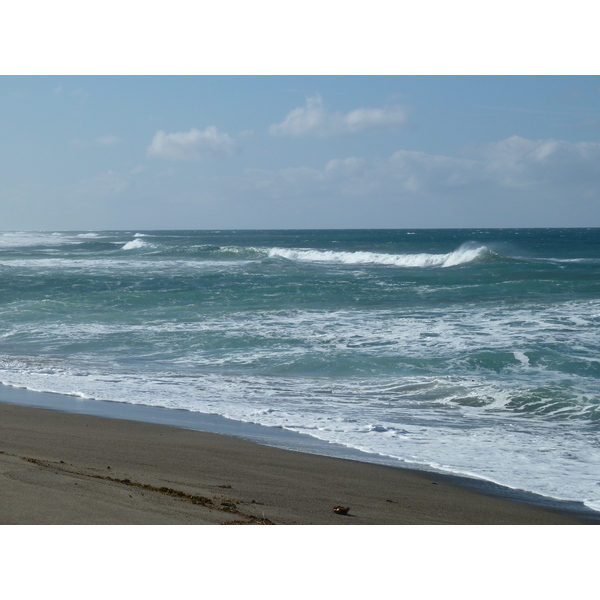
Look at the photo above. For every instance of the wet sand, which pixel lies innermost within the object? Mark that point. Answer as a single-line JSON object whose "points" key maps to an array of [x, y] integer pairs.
{"points": [[62, 468]]}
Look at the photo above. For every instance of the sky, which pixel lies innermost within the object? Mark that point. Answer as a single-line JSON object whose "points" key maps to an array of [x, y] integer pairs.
{"points": [[229, 152], [88, 147]]}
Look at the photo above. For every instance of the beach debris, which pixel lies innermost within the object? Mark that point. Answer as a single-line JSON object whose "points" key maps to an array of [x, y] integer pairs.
{"points": [[341, 510], [229, 505]]}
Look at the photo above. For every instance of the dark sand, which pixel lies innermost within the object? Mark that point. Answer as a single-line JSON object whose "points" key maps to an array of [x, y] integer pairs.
{"points": [[61, 468]]}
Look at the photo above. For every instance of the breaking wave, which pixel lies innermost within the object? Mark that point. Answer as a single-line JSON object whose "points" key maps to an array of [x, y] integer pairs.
{"points": [[465, 254], [135, 245]]}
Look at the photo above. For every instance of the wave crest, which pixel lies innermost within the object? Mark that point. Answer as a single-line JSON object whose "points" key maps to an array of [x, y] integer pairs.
{"points": [[135, 244], [465, 254]]}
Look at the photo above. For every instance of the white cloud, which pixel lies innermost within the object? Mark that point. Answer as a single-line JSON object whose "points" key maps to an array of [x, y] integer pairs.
{"points": [[344, 166], [404, 171], [421, 172], [537, 183], [313, 119], [192, 145], [546, 165], [518, 162]]}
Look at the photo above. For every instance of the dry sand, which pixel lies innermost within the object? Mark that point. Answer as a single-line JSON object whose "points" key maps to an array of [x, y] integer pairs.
{"points": [[61, 468]]}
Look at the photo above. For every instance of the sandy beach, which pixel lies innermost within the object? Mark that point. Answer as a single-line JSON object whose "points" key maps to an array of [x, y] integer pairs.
{"points": [[61, 468]]}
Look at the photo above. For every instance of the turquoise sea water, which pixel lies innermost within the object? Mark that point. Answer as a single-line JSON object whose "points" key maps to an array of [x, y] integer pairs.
{"points": [[474, 352]]}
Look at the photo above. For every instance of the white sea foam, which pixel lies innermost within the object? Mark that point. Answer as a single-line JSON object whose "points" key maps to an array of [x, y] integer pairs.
{"points": [[522, 358], [426, 437], [135, 244], [25, 239], [465, 254]]}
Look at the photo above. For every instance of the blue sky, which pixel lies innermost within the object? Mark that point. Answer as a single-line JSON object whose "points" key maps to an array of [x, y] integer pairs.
{"points": [[151, 152]]}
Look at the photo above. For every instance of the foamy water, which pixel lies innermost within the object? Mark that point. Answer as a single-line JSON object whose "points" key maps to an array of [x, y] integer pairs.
{"points": [[463, 255], [470, 352]]}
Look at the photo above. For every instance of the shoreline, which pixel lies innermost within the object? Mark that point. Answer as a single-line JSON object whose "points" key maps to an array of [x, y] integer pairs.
{"points": [[75, 468]]}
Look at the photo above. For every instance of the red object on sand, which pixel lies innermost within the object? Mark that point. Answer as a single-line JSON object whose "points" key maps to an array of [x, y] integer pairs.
{"points": [[341, 510]]}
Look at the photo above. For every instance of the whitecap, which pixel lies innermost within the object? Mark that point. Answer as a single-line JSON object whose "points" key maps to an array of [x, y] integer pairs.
{"points": [[135, 245], [464, 254], [522, 358]]}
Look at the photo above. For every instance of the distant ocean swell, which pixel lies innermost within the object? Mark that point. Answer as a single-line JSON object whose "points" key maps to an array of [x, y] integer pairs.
{"points": [[465, 254]]}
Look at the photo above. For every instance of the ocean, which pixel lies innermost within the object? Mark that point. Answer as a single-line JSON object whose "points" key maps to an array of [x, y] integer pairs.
{"points": [[473, 352]]}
